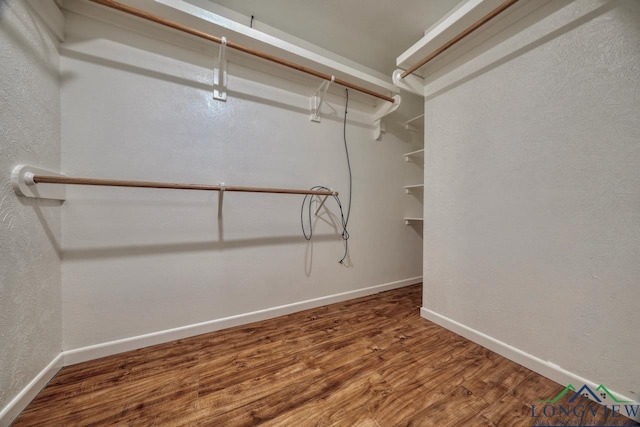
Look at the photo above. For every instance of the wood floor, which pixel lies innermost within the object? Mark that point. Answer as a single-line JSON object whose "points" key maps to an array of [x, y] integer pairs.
{"points": [[366, 362]]}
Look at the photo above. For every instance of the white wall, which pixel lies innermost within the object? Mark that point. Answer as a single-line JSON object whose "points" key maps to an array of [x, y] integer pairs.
{"points": [[138, 262], [532, 197], [30, 290]]}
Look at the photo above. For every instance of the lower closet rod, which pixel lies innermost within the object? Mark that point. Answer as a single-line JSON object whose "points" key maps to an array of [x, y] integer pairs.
{"points": [[36, 179]]}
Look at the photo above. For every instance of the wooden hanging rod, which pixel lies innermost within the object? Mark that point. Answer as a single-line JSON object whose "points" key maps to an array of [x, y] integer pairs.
{"points": [[45, 179], [495, 12], [180, 27]]}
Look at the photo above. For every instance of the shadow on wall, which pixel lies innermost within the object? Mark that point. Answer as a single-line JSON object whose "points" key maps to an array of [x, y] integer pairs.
{"points": [[134, 69], [154, 74], [158, 249], [334, 222], [10, 213], [418, 195], [328, 217], [8, 29], [38, 205], [417, 226], [394, 126]]}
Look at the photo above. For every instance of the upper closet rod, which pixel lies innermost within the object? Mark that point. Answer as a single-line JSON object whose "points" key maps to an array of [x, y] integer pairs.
{"points": [[495, 12], [46, 179], [148, 16]]}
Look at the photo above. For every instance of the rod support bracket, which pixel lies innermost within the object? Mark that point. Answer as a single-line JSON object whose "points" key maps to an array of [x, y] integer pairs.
{"points": [[381, 112], [220, 199], [22, 179], [411, 83], [318, 99], [220, 74]]}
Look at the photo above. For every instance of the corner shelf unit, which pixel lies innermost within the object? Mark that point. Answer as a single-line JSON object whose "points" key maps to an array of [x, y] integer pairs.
{"points": [[414, 124]]}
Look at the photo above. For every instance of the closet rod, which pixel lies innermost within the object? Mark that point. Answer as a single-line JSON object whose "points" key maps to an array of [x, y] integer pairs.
{"points": [[495, 12], [45, 179], [175, 25]]}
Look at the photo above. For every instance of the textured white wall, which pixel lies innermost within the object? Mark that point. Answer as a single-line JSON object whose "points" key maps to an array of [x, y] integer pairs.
{"points": [[532, 197], [30, 291], [142, 261]]}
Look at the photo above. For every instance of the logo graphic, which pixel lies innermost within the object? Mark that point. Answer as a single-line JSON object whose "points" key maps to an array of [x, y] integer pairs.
{"points": [[585, 391], [602, 404]]}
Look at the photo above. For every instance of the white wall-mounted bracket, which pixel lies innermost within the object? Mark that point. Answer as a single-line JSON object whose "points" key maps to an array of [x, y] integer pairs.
{"points": [[381, 112], [220, 74], [23, 184], [379, 129], [318, 98], [411, 83], [220, 199]]}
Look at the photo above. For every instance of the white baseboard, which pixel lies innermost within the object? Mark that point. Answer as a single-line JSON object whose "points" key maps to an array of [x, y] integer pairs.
{"points": [[544, 368], [17, 405], [119, 346]]}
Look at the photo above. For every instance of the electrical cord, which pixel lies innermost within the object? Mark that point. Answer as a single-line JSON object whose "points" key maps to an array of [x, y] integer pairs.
{"points": [[344, 234], [343, 221], [346, 150]]}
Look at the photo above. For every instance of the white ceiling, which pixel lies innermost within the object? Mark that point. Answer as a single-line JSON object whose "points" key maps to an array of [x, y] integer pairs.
{"points": [[370, 32]]}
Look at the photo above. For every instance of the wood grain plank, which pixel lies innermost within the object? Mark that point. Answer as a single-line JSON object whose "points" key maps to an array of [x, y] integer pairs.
{"points": [[507, 411], [496, 380], [450, 408]]}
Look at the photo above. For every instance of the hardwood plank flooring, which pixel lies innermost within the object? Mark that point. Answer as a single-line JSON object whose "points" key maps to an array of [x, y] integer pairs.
{"points": [[371, 361]]}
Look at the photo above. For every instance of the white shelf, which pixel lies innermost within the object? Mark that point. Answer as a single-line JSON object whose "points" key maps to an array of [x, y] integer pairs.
{"points": [[419, 116], [409, 220], [410, 188], [454, 23], [198, 15], [413, 154], [415, 124]]}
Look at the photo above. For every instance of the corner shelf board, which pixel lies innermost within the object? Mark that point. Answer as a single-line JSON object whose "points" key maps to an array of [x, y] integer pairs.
{"points": [[409, 220], [410, 188], [415, 124], [416, 153]]}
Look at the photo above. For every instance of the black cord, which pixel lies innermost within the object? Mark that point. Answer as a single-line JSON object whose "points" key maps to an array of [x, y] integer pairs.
{"points": [[309, 197], [343, 221], [346, 150], [251, 23]]}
